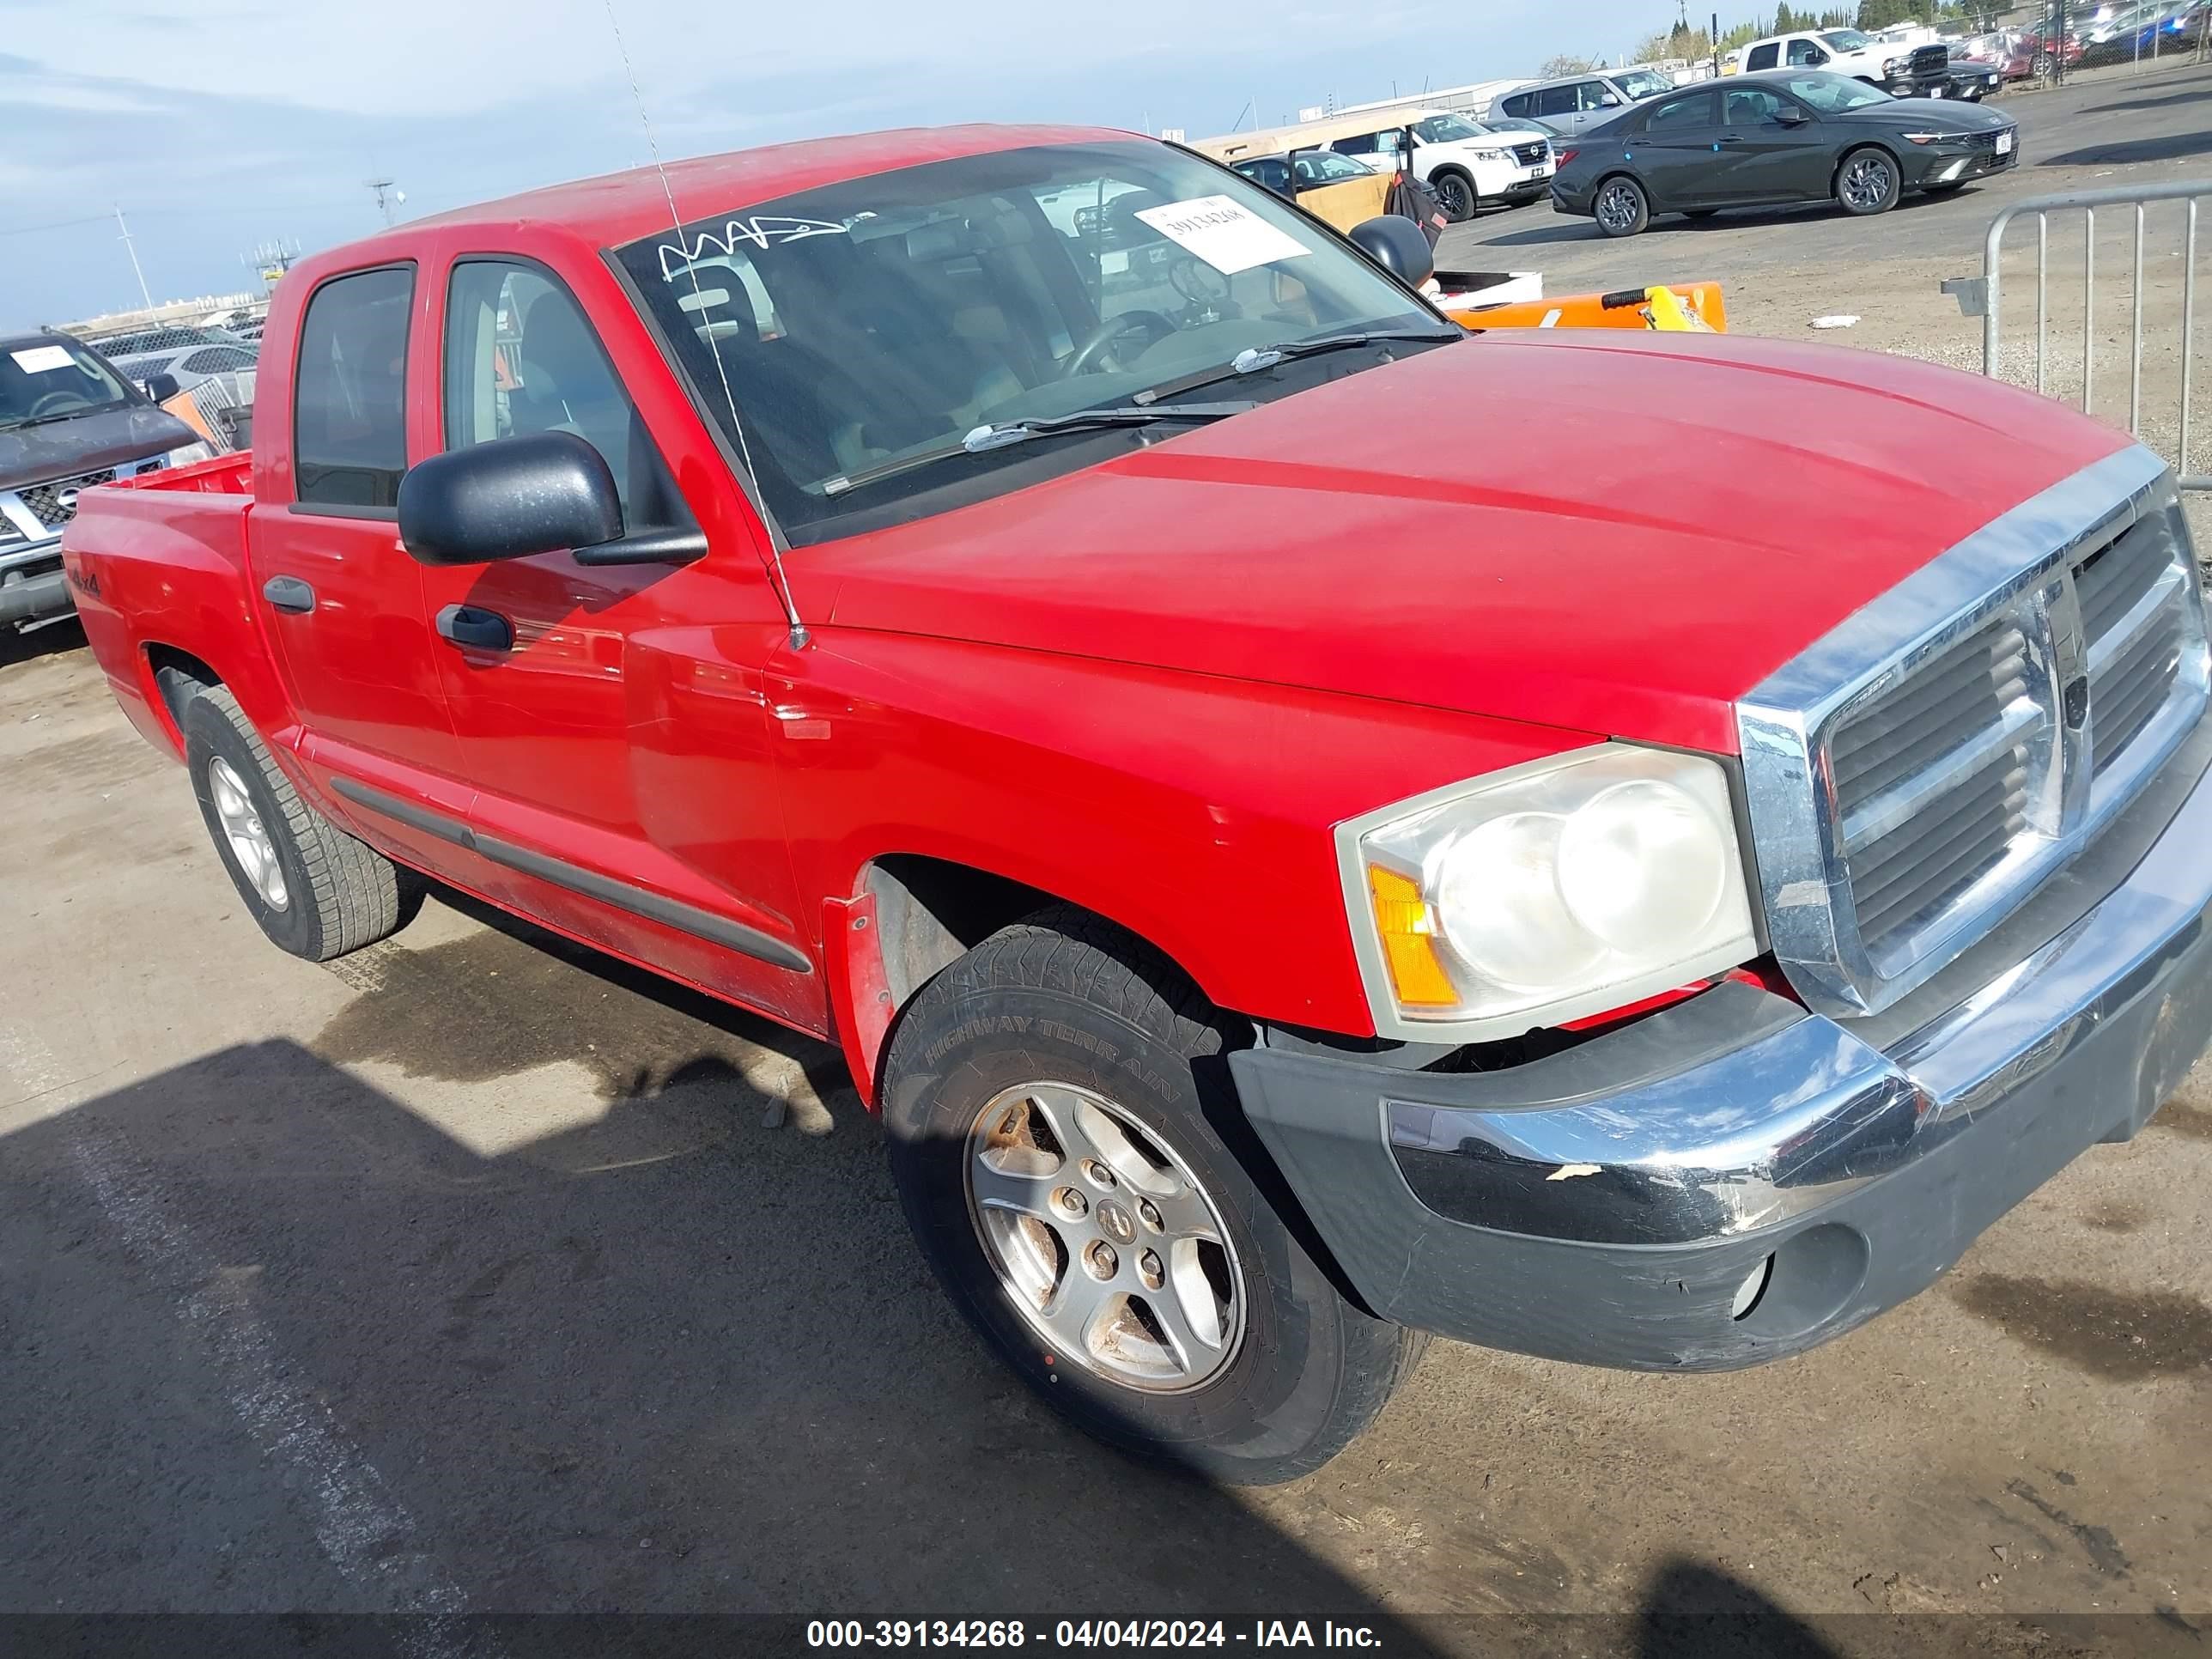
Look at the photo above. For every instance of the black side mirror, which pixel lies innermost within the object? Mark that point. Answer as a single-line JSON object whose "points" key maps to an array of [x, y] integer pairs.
{"points": [[507, 499], [1791, 118], [1398, 246], [162, 387]]}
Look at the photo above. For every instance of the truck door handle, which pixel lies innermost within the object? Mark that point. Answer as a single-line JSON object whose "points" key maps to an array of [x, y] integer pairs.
{"points": [[288, 594], [484, 630]]}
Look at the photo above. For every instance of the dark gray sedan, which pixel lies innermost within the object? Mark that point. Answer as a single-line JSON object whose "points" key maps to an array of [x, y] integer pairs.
{"points": [[1783, 137]]}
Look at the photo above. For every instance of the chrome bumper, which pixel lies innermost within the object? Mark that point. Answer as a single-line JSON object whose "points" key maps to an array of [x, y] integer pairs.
{"points": [[1641, 1187]]}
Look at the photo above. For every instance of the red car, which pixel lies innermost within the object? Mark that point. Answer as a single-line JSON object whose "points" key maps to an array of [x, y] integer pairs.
{"points": [[983, 598]]}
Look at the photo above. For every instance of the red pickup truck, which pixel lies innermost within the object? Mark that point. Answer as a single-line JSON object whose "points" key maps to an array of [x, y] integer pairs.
{"points": [[1003, 600]]}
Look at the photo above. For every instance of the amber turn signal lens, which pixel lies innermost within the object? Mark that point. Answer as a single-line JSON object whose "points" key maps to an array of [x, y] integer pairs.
{"points": [[1408, 934]]}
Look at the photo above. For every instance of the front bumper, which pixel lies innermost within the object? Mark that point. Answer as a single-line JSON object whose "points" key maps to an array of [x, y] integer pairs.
{"points": [[33, 587], [1735, 1180]]}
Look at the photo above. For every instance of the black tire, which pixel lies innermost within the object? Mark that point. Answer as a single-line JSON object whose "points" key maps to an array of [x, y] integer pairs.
{"points": [[1633, 213], [1066, 1000], [1456, 194], [339, 894], [1867, 161]]}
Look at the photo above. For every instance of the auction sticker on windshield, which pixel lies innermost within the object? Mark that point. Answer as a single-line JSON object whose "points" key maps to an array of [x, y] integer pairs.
{"points": [[41, 360], [1223, 231]]}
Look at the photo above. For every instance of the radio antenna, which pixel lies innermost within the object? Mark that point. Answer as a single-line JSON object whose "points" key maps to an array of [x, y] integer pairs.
{"points": [[800, 637]]}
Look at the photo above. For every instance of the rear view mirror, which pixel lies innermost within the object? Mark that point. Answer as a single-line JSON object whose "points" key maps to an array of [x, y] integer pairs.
{"points": [[1398, 246], [507, 499]]}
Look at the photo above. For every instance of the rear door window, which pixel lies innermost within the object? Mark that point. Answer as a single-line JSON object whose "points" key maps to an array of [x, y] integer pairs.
{"points": [[350, 408], [1682, 114], [1764, 57], [1557, 100]]}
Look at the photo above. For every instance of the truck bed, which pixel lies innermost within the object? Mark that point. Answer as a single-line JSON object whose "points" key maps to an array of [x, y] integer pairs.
{"points": [[220, 474], [161, 559]]}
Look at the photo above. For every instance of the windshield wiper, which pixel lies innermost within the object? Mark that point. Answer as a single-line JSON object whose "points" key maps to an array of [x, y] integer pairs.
{"points": [[1253, 359], [65, 415], [1004, 433]]}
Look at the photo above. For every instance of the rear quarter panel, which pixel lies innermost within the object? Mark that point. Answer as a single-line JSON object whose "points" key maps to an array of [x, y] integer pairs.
{"points": [[163, 563]]}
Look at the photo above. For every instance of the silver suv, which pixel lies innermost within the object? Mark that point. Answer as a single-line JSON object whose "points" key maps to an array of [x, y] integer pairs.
{"points": [[1575, 103]]}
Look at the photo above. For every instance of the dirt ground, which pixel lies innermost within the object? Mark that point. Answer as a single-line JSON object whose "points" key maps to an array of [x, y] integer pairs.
{"points": [[477, 1274]]}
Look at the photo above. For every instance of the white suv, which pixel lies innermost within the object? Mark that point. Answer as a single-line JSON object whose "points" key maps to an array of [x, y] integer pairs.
{"points": [[1467, 163]]}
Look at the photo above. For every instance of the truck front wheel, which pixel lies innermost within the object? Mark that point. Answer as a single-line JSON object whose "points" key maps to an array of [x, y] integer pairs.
{"points": [[1067, 1151], [314, 890]]}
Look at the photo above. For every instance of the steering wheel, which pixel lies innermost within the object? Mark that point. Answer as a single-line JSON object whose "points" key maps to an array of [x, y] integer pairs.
{"points": [[1095, 343], [66, 399], [1201, 284]]}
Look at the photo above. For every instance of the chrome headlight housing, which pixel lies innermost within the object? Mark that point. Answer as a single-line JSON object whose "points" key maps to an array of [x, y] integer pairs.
{"points": [[1544, 893]]}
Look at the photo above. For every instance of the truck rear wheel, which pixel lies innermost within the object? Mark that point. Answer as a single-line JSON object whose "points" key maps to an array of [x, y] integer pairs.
{"points": [[1067, 1151], [315, 891]]}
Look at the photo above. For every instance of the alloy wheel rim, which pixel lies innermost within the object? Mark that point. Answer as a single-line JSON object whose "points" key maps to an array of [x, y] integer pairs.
{"points": [[1454, 195], [1866, 181], [1617, 207], [250, 843], [1102, 1240]]}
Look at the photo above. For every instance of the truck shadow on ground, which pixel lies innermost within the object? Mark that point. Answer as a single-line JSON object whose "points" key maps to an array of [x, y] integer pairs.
{"points": [[273, 1305], [664, 1360], [52, 640]]}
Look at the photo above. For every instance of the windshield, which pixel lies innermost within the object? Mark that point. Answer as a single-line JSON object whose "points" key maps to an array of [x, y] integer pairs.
{"points": [[1832, 93], [1847, 39], [1642, 83], [1447, 129], [882, 317], [54, 377], [1323, 166]]}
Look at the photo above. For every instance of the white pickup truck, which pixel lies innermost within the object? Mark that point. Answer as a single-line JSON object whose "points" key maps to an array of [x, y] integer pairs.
{"points": [[1848, 51]]}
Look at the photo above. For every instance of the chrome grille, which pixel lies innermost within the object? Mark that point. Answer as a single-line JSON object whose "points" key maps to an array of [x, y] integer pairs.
{"points": [[2132, 597], [44, 499], [1931, 781], [1917, 772]]}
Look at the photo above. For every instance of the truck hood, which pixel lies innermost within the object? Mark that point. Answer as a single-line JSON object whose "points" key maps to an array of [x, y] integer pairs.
{"points": [[1607, 533], [62, 449]]}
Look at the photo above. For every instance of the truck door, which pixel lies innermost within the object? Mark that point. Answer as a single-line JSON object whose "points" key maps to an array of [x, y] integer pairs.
{"points": [[611, 718], [339, 596]]}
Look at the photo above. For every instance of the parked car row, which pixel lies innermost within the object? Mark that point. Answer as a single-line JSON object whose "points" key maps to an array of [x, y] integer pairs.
{"points": [[1776, 137], [1469, 165]]}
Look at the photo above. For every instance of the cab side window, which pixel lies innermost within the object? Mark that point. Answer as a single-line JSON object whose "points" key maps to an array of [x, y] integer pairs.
{"points": [[1806, 53], [350, 405], [520, 359]]}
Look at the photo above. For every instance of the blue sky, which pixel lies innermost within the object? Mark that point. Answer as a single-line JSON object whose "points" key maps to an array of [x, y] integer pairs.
{"points": [[221, 123]]}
